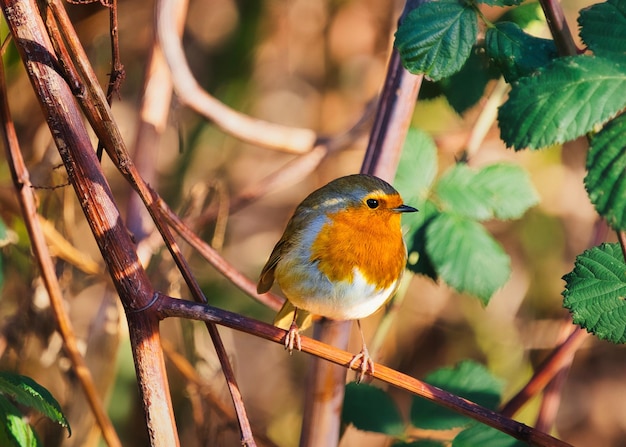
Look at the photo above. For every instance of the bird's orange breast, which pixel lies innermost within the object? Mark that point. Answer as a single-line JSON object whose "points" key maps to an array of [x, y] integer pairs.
{"points": [[358, 237]]}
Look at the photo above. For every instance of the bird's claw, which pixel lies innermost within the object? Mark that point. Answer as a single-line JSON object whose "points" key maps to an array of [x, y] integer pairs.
{"points": [[292, 338], [366, 364]]}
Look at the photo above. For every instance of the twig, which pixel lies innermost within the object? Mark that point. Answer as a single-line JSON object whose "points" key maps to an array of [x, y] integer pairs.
{"points": [[102, 121], [189, 373], [558, 27], [218, 262], [172, 307], [243, 127], [96, 200], [546, 371], [21, 180]]}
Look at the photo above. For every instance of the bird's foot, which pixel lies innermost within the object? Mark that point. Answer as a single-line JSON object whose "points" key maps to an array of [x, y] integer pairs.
{"points": [[366, 364], [292, 338]]}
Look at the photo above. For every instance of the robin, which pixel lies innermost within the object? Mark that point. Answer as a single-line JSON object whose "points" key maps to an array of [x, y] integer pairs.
{"points": [[341, 256]]}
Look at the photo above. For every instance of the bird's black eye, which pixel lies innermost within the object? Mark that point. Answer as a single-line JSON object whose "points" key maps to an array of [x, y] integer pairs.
{"points": [[372, 203]]}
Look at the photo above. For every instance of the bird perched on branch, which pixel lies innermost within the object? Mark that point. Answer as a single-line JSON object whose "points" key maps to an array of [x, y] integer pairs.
{"points": [[341, 256]]}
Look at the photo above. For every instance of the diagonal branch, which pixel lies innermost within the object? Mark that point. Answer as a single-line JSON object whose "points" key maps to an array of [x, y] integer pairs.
{"points": [[96, 200], [21, 180], [168, 307]]}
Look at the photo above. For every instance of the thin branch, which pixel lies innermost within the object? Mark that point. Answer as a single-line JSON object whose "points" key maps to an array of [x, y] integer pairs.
{"points": [[168, 307], [558, 27], [21, 180], [106, 130], [96, 200], [216, 260], [188, 371], [243, 127], [546, 371]]}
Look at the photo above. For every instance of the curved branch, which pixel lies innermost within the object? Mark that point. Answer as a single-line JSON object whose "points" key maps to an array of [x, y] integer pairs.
{"points": [[255, 131]]}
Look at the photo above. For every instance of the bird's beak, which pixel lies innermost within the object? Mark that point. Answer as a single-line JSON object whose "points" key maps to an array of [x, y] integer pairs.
{"points": [[404, 209]]}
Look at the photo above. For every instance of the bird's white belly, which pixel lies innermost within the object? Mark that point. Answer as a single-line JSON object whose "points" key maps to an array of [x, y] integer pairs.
{"points": [[342, 300]]}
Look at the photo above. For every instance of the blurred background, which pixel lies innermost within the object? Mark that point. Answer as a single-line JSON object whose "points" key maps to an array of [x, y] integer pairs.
{"points": [[317, 65]]}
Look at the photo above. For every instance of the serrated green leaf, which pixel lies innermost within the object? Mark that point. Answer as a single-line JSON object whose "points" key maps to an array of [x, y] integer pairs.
{"points": [[418, 260], [14, 430], [563, 101], [371, 409], [458, 194], [595, 292], [27, 392], [606, 173], [485, 436], [603, 27], [468, 379], [501, 191], [464, 88], [436, 38], [516, 53], [466, 257], [418, 166]]}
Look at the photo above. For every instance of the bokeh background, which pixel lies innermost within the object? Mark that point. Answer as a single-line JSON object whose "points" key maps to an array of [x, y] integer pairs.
{"points": [[312, 64]]}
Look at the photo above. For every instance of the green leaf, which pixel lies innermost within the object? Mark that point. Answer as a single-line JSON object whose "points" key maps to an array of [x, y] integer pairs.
{"points": [[14, 430], [563, 101], [595, 292], [606, 176], [603, 27], [371, 409], [524, 15], [466, 257], [464, 88], [502, 191], [516, 53], [29, 393], [500, 2], [468, 379], [418, 166], [420, 443], [418, 260], [436, 38], [485, 436]]}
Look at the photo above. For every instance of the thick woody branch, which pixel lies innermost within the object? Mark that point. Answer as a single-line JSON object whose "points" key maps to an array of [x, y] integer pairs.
{"points": [[96, 200]]}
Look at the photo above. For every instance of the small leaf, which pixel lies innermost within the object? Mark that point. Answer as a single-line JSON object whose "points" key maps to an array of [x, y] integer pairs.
{"points": [[468, 379], [29, 393], [606, 173], [501, 190], [418, 166], [516, 53], [437, 37], [14, 430], [371, 409], [595, 292], [603, 27], [563, 101], [485, 436], [466, 257]]}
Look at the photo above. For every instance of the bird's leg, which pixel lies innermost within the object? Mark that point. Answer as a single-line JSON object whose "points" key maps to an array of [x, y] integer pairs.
{"points": [[292, 338], [367, 364]]}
